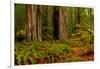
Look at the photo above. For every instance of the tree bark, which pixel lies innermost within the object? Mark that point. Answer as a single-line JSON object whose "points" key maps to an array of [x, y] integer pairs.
{"points": [[29, 21], [62, 24], [34, 22], [59, 22], [56, 23], [39, 23]]}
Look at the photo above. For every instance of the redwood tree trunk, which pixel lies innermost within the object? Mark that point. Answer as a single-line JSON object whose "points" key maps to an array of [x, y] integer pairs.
{"points": [[56, 23], [34, 22], [62, 24], [33, 25], [39, 22], [59, 22], [29, 21]]}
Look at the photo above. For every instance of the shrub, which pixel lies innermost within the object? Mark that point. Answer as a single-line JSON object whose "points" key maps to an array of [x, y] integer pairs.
{"points": [[20, 35]]}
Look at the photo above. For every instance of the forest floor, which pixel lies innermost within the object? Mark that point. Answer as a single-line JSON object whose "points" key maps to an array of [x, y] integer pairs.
{"points": [[51, 52]]}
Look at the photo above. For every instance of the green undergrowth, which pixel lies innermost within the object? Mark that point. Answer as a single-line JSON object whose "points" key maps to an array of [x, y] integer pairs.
{"points": [[37, 52], [29, 52]]}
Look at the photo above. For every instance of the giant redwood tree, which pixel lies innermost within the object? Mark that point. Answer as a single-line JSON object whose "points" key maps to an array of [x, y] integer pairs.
{"points": [[29, 22], [62, 24], [33, 23], [59, 21]]}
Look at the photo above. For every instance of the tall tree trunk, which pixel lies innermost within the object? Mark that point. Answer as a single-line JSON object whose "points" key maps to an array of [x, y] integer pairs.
{"points": [[34, 22], [29, 21], [62, 24], [39, 23], [56, 23], [59, 22]]}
